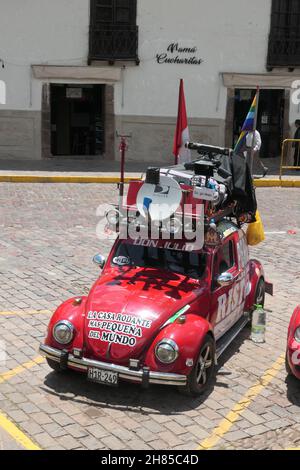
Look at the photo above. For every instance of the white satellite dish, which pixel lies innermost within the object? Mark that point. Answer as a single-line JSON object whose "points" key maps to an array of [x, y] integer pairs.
{"points": [[161, 201]]}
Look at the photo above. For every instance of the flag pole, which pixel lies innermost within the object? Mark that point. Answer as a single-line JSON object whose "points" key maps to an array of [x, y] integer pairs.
{"points": [[254, 125], [178, 113]]}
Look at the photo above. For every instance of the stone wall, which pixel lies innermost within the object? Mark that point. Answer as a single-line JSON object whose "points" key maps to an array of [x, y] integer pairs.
{"points": [[152, 137], [20, 135]]}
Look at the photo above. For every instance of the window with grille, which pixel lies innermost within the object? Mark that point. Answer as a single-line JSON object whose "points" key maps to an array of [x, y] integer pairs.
{"points": [[284, 40], [113, 30]]}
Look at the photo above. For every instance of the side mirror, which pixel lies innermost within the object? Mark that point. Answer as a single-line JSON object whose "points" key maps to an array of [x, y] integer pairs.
{"points": [[225, 279], [99, 260]]}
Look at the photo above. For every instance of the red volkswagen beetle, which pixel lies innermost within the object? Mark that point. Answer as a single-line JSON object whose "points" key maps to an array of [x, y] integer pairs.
{"points": [[293, 345], [158, 314], [163, 310]]}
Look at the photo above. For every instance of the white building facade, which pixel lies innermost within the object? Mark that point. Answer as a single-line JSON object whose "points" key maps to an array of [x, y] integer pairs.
{"points": [[77, 72]]}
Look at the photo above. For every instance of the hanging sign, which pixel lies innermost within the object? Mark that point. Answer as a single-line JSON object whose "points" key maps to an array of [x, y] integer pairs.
{"points": [[74, 92]]}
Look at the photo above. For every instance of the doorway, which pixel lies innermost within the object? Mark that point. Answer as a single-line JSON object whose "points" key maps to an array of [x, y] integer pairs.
{"points": [[270, 122], [77, 120]]}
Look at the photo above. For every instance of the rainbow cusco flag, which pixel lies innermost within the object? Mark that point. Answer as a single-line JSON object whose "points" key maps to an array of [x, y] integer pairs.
{"points": [[248, 126]]}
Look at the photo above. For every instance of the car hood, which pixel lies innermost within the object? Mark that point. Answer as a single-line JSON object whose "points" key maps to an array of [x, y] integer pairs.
{"points": [[128, 306]]}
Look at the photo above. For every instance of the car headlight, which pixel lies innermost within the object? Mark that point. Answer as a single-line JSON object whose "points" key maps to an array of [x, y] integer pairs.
{"points": [[63, 332], [166, 351], [297, 335]]}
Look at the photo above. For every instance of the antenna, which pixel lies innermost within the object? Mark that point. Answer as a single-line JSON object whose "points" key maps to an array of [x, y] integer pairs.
{"points": [[159, 201]]}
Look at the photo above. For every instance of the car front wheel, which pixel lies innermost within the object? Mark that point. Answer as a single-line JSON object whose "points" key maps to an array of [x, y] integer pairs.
{"points": [[287, 365], [54, 365], [200, 378]]}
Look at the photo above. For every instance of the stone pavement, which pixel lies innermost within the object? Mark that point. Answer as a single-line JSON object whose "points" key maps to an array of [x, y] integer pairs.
{"points": [[47, 241], [7, 442]]}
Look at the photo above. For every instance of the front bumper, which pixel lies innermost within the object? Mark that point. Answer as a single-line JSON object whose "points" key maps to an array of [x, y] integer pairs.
{"points": [[143, 376]]}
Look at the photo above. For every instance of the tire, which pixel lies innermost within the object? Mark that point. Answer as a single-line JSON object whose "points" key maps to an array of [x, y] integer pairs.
{"points": [[287, 366], [260, 292], [199, 380], [54, 365], [259, 299]]}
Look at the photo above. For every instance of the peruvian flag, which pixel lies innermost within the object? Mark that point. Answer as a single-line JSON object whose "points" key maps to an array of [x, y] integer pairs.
{"points": [[182, 136]]}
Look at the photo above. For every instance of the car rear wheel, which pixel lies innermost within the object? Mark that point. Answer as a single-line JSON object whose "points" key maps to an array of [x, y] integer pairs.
{"points": [[200, 378], [259, 298], [54, 365], [260, 292]]}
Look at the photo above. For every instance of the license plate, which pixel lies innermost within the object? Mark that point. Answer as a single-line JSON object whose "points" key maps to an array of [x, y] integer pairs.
{"points": [[102, 376]]}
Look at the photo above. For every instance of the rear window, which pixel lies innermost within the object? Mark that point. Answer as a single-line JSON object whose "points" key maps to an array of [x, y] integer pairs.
{"points": [[191, 264]]}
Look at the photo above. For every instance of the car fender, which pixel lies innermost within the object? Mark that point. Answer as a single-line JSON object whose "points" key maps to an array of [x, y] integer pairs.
{"points": [[294, 322], [188, 336], [293, 347], [256, 272], [293, 325], [73, 312]]}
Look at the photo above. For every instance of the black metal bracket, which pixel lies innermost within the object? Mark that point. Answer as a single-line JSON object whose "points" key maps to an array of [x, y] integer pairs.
{"points": [[64, 360], [146, 376]]}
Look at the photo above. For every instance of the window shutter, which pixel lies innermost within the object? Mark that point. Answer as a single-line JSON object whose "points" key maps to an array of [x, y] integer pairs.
{"points": [[284, 40], [113, 30]]}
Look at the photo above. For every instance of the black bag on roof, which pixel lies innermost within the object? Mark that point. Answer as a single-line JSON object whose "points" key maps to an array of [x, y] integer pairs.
{"points": [[241, 184]]}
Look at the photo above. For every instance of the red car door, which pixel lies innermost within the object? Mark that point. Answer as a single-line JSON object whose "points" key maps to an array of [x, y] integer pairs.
{"points": [[226, 302]]}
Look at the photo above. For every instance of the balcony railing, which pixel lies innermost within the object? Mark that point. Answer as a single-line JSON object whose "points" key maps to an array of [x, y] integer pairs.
{"points": [[114, 44], [284, 51]]}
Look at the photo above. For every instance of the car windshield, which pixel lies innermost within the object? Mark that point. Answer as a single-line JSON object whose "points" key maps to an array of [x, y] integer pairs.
{"points": [[191, 264]]}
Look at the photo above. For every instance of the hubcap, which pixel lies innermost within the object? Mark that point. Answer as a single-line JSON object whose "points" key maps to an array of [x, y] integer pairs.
{"points": [[204, 363]]}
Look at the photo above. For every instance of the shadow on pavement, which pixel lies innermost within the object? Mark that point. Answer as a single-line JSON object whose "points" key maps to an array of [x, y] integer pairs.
{"points": [[72, 386], [293, 390]]}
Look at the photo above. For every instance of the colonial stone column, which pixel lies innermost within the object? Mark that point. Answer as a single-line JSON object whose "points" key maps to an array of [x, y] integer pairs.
{"points": [[109, 123], [229, 117], [46, 122]]}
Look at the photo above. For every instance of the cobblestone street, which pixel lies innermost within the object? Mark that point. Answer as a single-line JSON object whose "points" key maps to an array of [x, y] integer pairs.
{"points": [[47, 241]]}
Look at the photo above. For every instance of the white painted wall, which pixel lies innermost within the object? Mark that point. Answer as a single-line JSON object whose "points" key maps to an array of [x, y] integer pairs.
{"points": [[38, 32], [230, 35], [294, 108]]}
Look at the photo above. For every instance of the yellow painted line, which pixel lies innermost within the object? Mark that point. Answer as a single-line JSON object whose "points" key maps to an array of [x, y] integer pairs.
{"points": [[5, 423], [226, 424], [25, 312], [267, 183], [17, 370], [276, 183], [290, 184], [294, 448], [63, 179], [16, 433], [259, 183]]}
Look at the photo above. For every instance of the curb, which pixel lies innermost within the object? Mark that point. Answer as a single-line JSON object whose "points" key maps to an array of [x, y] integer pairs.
{"points": [[259, 183]]}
